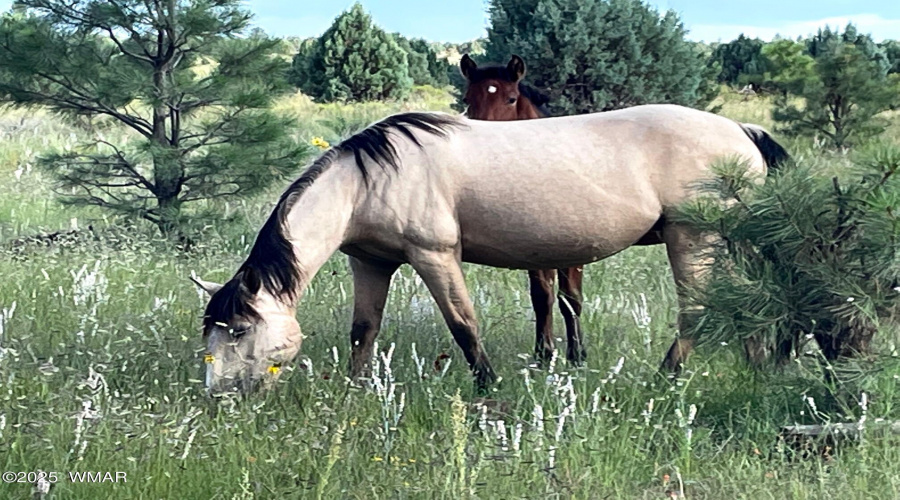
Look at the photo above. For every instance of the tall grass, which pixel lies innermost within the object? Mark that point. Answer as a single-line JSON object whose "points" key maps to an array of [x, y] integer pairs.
{"points": [[101, 368]]}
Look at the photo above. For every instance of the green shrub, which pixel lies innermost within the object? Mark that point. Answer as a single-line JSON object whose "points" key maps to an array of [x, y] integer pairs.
{"points": [[803, 256]]}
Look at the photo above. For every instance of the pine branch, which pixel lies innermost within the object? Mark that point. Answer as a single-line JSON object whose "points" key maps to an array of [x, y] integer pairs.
{"points": [[89, 104]]}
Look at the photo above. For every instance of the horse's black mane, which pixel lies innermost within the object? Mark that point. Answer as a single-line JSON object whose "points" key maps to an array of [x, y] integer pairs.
{"points": [[535, 96], [501, 72], [272, 263]]}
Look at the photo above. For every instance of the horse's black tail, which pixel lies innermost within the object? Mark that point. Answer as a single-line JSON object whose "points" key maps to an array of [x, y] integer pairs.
{"points": [[773, 153]]}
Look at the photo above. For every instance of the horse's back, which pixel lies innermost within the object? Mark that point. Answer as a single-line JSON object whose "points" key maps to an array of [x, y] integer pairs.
{"points": [[560, 191], [665, 145]]}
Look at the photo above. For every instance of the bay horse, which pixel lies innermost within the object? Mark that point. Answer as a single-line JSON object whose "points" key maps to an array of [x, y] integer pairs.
{"points": [[435, 190], [496, 93]]}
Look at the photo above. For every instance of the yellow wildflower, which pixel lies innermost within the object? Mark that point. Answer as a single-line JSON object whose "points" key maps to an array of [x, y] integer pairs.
{"points": [[274, 369], [320, 143], [209, 358], [377, 459]]}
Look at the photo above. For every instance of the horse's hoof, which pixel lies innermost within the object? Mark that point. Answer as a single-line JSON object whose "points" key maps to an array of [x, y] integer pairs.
{"points": [[543, 356], [576, 358], [484, 378], [667, 373]]}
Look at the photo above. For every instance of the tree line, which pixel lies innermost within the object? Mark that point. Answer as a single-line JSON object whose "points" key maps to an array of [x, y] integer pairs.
{"points": [[843, 80], [611, 54], [187, 87]]}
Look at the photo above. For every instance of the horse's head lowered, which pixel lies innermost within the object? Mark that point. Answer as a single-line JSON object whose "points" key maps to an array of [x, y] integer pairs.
{"points": [[250, 333], [250, 323], [496, 92]]}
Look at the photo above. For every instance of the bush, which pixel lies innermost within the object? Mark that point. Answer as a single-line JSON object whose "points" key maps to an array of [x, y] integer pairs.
{"points": [[601, 55], [804, 255]]}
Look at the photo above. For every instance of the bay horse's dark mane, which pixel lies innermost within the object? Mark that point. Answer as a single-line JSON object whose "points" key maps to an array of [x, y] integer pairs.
{"points": [[538, 99], [272, 263]]}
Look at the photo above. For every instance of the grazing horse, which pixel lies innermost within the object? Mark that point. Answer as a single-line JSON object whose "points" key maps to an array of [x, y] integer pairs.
{"points": [[496, 93], [436, 190]]}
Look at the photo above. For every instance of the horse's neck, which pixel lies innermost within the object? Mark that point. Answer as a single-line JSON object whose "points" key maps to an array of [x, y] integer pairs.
{"points": [[320, 217]]}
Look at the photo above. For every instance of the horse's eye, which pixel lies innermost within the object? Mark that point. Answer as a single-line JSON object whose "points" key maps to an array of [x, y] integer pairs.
{"points": [[512, 100], [465, 101]]}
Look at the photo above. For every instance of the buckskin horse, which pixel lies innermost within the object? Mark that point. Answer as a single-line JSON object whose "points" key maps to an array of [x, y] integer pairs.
{"points": [[496, 93], [436, 190]]}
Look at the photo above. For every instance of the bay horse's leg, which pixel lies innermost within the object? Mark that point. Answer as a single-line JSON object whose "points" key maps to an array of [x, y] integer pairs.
{"points": [[541, 284], [570, 300], [442, 274], [685, 248], [371, 281]]}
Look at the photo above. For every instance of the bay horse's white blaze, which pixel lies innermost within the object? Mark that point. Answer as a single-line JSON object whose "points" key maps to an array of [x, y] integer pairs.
{"points": [[533, 194]]}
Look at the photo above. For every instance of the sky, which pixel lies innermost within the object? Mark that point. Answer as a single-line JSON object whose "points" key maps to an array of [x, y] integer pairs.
{"points": [[707, 20]]}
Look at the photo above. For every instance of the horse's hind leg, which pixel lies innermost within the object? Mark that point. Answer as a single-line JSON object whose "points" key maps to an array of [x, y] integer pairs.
{"points": [[570, 299], [541, 285], [442, 273], [371, 281], [685, 248]]}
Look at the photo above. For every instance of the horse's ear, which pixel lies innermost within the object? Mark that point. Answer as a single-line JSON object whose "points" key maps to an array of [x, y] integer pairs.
{"points": [[250, 280], [467, 66], [207, 286], [516, 67]]}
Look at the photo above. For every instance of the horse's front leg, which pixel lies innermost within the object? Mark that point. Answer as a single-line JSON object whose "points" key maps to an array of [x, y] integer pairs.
{"points": [[442, 274], [371, 281], [570, 299], [541, 287]]}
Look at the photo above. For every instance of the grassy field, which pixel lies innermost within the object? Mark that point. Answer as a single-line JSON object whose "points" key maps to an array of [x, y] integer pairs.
{"points": [[101, 367]]}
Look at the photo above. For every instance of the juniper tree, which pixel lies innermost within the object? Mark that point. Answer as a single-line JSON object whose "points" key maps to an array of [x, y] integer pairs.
{"points": [[417, 62], [600, 55], [891, 50], [741, 61], [189, 86], [354, 60], [437, 68], [803, 254], [424, 66]]}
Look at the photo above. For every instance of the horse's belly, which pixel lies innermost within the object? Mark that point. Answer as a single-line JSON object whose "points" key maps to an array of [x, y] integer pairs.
{"points": [[551, 247], [567, 222], [513, 259]]}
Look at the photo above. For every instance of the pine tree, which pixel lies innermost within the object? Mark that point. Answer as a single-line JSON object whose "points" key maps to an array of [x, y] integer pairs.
{"points": [[600, 54], [848, 88], [802, 254], [354, 60], [788, 65], [191, 89], [823, 42]]}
